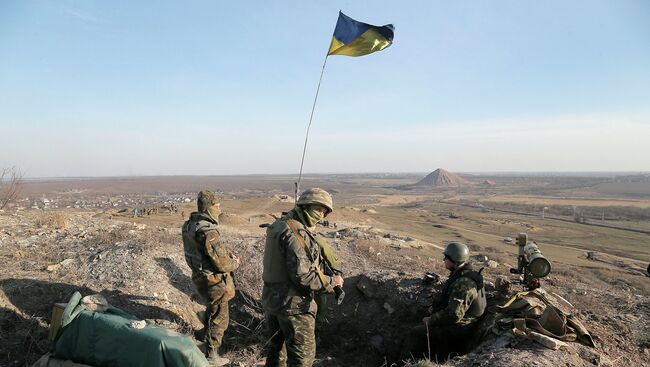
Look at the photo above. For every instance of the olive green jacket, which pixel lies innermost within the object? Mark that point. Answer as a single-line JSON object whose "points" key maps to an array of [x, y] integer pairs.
{"points": [[205, 253], [291, 275]]}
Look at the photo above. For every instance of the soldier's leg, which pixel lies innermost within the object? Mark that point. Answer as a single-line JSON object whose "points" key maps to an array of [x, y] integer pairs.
{"points": [[299, 338], [215, 313], [274, 350], [414, 346], [218, 323]]}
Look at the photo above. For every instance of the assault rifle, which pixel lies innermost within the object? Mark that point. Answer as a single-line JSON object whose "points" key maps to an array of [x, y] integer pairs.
{"points": [[339, 293]]}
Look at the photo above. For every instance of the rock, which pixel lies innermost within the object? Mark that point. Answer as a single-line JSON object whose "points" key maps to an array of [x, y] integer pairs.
{"points": [[389, 308], [53, 267], [491, 264], [480, 258], [66, 262]]}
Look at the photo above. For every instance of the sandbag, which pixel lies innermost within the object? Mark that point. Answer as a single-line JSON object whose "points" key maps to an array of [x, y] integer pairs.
{"points": [[116, 338]]}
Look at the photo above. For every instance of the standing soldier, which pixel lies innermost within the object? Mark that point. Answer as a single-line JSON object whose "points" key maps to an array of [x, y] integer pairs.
{"points": [[292, 274], [212, 265], [453, 322]]}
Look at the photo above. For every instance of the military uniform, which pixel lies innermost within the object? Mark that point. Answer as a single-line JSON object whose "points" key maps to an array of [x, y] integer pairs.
{"points": [[292, 274], [329, 256], [212, 265], [452, 325]]}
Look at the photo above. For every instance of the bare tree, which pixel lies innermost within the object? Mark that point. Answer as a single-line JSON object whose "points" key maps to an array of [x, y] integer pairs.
{"points": [[11, 180]]}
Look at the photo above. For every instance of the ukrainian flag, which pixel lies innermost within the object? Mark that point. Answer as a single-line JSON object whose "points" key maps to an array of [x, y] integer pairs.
{"points": [[353, 38]]}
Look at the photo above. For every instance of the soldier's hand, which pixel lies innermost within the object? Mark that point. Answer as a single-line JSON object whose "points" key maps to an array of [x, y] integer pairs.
{"points": [[337, 280], [426, 320]]}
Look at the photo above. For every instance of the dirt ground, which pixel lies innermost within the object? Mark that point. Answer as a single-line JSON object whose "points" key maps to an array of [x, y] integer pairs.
{"points": [[387, 245]]}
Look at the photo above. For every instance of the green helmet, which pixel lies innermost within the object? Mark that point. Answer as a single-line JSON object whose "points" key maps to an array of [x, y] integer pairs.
{"points": [[457, 252], [316, 196], [205, 200]]}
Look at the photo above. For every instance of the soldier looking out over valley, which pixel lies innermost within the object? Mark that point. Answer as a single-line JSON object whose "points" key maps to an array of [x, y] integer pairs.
{"points": [[212, 265]]}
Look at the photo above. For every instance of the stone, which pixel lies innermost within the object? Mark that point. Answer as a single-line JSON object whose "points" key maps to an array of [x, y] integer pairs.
{"points": [[389, 308], [480, 258], [53, 267], [66, 262], [491, 264]]}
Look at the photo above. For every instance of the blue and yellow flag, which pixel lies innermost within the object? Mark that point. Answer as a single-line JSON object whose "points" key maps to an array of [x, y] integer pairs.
{"points": [[352, 38]]}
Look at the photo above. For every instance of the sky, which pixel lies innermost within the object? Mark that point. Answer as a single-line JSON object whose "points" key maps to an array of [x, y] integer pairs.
{"points": [[115, 88]]}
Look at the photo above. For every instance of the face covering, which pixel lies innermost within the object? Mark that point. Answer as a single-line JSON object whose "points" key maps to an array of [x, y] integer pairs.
{"points": [[311, 216], [214, 213]]}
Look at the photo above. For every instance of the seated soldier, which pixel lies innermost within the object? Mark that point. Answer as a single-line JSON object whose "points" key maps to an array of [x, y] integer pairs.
{"points": [[454, 317]]}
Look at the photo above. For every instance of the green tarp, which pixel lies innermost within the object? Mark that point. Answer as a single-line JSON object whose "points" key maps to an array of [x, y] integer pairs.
{"points": [[108, 339]]}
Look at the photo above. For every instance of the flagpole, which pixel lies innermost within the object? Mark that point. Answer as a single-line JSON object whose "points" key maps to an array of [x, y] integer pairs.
{"points": [[311, 116]]}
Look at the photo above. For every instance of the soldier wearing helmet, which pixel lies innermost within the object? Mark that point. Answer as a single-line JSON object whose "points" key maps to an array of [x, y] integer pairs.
{"points": [[212, 265], [454, 316], [292, 275]]}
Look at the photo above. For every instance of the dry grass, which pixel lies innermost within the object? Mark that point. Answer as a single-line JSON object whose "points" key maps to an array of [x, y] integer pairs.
{"points": [[50, 219]]}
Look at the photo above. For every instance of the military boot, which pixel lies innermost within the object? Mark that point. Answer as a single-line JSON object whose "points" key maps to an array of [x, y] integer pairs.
{"points": [[216, 360]]}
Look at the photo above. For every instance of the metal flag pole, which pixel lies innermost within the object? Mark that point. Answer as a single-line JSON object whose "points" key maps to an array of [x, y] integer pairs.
{"points": [[311, 116]]}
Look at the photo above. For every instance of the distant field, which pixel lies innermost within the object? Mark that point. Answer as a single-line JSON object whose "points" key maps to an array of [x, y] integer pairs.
{"points": [[624, 188], [548, 200]]}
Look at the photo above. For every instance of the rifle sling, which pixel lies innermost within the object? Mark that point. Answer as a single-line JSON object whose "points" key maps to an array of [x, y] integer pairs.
{"points": [[323, 278]]}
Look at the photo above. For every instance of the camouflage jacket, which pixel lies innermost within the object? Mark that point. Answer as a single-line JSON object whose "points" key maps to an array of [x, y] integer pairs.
{"points": [[291, 274], [205, 253], [463, 299]]}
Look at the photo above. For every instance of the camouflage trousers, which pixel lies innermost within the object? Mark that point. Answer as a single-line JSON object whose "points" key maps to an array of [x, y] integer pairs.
{"points": [[296, 334], [443, 342], [216, 312], [321, 314]]}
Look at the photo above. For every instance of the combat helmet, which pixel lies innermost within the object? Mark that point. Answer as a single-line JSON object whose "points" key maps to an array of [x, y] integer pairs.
{"points": [[316, 196], [205, 200], [457, 252]]}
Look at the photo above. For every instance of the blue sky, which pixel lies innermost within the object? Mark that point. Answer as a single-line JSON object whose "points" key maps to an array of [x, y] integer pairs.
{"points": [[102, 88]]}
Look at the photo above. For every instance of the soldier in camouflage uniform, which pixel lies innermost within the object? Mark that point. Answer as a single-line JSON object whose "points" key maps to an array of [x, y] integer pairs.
{"points": [[212, 265], [292, 274], [451, 326]]}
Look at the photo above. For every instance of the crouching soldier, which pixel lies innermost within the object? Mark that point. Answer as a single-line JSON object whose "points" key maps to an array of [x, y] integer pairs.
{"points": [[452, 324], [212, 265], [292, 273]]}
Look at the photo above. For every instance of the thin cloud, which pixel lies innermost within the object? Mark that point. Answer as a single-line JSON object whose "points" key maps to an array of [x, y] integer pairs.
{"points": [[84, 16]]}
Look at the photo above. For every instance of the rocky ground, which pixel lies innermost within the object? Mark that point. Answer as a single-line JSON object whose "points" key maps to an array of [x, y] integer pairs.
{"points": [[140, 268]]}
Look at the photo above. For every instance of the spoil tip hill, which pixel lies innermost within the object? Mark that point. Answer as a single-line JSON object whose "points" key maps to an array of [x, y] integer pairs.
{"points": [[442, 178]]}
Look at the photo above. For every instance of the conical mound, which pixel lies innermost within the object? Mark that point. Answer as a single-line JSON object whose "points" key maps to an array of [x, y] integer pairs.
{"points": [[442, 178]]}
